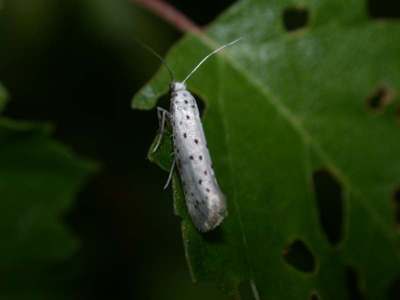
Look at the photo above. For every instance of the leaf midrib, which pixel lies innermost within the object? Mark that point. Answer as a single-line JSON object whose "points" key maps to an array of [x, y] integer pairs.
{"points": [[220, 106], [307, 138]]}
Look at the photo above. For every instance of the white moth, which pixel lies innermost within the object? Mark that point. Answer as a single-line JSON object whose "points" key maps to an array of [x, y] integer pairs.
{"points": [[204, 199]]}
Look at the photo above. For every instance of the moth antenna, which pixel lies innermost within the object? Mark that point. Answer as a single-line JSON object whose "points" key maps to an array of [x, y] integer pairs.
{"points": [[162, 60], [209, 55]]}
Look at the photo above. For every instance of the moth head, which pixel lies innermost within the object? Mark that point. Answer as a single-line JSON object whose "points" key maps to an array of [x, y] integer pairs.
{"points": [[177, 86]]}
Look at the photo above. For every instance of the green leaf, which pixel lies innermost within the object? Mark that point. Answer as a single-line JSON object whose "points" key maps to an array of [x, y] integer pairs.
{"points": [[39, 179], [308, 162]]}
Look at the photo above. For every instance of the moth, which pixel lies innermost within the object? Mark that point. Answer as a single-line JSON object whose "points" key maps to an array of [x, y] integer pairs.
{"points": [[204, 199]]}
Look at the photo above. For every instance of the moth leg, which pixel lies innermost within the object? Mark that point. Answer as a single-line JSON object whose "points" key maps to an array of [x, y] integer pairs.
{"points": [[162, 114], [171, 171]]}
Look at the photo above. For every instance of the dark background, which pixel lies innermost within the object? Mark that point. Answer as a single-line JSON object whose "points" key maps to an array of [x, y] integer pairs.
{"points": [[75, 64]]}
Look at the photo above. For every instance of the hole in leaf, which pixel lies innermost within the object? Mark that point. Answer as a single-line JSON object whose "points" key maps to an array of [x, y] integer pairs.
{"points": [[396, 200], [163, 101], [200, 104], [380, 98], [379, 9], [353, 284], [315, 296], [328, 194], [216, 236], [394, 290], [295, 18], [299, 256]]}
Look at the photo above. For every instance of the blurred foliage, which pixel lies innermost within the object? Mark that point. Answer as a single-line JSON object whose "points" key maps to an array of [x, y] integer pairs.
{"points": [[3, 97], [302, 120], [75, 65], [39, 178]]}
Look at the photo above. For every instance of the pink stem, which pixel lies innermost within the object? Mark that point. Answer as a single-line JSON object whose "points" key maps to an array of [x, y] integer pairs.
{"points": [[170, 14]]}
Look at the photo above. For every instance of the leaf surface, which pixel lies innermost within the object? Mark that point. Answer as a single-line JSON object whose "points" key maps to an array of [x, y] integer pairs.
{"points": [[284, 111]]}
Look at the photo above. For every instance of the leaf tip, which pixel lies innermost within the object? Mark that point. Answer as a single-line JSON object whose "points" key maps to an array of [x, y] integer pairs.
{"points": [[146, 98]]}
